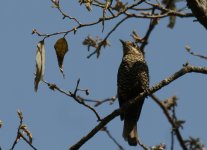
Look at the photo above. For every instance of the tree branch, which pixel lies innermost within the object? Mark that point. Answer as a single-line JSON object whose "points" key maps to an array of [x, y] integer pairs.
{"points": [[186, 69]]}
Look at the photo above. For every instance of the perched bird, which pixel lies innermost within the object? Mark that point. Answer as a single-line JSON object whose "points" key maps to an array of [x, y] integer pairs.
{"points": [[132, 79]]}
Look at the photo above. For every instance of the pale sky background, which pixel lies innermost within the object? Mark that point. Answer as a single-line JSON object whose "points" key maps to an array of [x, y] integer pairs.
{"points": [[57, 121]]}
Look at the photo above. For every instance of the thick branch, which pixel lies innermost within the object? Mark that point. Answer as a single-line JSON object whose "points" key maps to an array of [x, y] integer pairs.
{"points": [[186, 69]]}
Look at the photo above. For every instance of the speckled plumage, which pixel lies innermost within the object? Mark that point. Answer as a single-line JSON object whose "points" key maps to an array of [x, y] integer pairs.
{"points": [[132, 79]]}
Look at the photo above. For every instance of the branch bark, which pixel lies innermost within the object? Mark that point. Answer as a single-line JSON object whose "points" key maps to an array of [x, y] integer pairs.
{"points": [[199, 9]]}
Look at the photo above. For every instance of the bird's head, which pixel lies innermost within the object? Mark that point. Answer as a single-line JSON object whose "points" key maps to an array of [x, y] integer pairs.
{"points": [[130, 48]]}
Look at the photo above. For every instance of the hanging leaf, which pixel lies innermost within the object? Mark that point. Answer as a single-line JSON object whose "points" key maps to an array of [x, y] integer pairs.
{"points": [[40, 64], [61, 48]]}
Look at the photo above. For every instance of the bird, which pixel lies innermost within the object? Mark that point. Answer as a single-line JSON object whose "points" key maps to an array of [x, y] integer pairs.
{"points": [[132, 79]]}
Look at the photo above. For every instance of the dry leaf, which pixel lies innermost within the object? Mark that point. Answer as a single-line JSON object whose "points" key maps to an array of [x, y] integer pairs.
{"points": [[136, 37], [120, 6], [40, 64], [89, 41], [55, 3], [88, 4], [61, 48], [27, 131], [20, 114], [1, 123]]}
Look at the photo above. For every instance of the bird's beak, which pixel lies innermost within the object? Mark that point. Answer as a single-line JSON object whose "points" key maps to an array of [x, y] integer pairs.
{"points": [[122, 41]]}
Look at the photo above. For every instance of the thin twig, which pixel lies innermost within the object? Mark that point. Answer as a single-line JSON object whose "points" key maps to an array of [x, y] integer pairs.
{"points": [[112, 138], [172, 140], [113, 16], [20, 133], [99, 102], [194, 54], [171, 121], [74, 29], [67, 16], [142, 145], [26, 140], [74, 96]]}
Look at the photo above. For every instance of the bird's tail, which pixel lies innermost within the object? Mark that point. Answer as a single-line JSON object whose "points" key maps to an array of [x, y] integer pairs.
{"points": [[130, 132]]}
